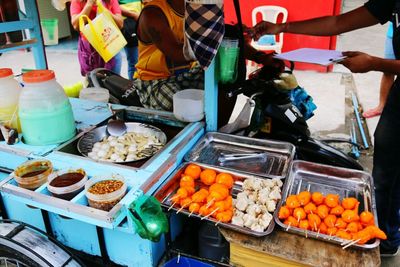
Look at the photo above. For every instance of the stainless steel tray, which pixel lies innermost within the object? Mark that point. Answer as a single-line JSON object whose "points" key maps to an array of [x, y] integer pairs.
{"points": [[275, 164], [171, 185], [86, 142], [308, 176]]}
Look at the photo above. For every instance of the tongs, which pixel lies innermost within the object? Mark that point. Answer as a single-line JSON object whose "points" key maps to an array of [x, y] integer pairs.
{"points": [[240, 156]]}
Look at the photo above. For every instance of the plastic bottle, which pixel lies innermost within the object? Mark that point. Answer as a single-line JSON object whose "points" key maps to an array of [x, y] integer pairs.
{"points": [[10, 90], [44, 110]]}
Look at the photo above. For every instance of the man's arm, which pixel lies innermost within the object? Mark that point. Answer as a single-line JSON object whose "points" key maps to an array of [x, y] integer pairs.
{"points": [[322, 26], [131, 14], [154, 28], [359, 62]]}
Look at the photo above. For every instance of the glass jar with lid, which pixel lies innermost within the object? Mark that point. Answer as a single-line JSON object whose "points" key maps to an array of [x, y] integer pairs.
{"points": [[9, 93]]}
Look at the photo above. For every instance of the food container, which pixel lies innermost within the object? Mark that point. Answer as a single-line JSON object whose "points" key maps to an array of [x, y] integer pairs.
{"points": [[171, 185], [44, 110], [33, 173], [107, 198], [66, 184], [95, 94], [9, 94], [265, 158], [188, 105], [312, 177]]}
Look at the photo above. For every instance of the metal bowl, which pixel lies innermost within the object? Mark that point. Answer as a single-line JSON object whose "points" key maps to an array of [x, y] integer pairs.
{"points": [[86, 142]]}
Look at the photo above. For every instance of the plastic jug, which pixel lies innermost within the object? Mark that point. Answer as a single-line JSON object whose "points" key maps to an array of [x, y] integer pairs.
{"points": [[9, 94], [44, 110]]}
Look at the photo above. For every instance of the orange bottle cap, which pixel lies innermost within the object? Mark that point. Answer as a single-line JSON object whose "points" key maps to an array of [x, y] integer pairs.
{"points": [[37, 76], [5, 72]]}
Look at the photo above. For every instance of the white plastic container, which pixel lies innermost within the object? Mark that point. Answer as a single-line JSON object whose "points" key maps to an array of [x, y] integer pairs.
{"points": [[95, 94], [10, 90], [189, 105], [44, 110], [66, 184], [105, 201]]}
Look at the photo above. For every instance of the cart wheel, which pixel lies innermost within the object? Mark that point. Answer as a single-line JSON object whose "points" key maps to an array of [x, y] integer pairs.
{"points": [[12, 257]]}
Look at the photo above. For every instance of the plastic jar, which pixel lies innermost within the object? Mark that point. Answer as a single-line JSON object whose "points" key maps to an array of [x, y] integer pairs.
{"points": [[33, 173], [188, 105], [44, 110], [10, 90], [66, 184], [105, 201]]}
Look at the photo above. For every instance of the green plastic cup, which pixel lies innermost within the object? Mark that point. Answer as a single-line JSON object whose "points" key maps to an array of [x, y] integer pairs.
{"points": [[50, 31], [228, 61]]}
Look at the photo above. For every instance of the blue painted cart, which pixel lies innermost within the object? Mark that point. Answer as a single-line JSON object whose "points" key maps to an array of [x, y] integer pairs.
{"points": [[110, 235]]}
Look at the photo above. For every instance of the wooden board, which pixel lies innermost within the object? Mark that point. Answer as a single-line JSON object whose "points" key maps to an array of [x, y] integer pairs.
{"points": [[281, 249]]}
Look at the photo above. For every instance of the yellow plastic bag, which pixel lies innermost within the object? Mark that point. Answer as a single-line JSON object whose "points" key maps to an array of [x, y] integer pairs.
{"points": [[103, 34]]}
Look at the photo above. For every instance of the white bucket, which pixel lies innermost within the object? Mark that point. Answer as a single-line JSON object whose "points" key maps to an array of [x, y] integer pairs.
{"points": [[189, 105]]}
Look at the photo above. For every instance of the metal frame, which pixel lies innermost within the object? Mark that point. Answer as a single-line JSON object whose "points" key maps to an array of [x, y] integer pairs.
{"points": [[30, 22]]}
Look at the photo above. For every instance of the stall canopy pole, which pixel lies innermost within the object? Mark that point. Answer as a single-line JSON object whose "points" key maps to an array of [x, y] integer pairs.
{"points": [[211, 98]]}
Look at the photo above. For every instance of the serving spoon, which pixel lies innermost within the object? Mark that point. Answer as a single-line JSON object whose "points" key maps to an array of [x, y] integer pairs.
{"points": [[115, 126]]}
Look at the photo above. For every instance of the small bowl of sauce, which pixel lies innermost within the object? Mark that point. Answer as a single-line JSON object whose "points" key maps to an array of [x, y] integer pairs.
{"points": [[33, 173], [66, 184]]}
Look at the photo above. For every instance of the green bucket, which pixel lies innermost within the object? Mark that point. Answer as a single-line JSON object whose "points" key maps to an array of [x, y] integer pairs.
{"points": [[50, 31]]}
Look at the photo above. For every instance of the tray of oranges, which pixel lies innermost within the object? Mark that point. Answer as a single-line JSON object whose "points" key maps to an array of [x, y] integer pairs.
{"points": [[210, 193], [333, 204]]}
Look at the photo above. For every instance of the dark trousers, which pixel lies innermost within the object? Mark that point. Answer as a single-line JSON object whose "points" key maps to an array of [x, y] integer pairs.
{"points": [[386, 171]]}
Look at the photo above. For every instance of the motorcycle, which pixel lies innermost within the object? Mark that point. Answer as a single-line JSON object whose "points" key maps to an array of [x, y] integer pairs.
{"points": [[275, 115], [281, 109]]}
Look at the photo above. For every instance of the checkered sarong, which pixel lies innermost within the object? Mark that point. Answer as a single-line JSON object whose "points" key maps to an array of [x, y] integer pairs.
{"points": [[204, 30], [158, 94]]}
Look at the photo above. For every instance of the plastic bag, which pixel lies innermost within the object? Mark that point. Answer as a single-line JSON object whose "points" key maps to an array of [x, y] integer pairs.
{"points": [[102, 33]]}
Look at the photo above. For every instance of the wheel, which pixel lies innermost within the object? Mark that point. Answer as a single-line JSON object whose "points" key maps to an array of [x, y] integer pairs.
{"points": [[11, 257]]}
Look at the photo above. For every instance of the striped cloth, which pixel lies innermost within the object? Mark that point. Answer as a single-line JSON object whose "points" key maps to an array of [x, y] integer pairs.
{"points": [[204, 29]]}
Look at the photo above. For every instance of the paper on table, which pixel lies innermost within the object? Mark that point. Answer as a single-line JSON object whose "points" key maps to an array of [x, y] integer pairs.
{"points": [[312, 55]]}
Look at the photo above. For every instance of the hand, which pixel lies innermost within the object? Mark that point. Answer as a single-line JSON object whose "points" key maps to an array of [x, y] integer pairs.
{"points": [[91, 2], [276, 64], [357, 62], [265, 27]]}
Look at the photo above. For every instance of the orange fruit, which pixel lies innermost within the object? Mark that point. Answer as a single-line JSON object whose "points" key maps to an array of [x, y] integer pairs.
{"points": [[194, 207], [225, 179], [303, 224], [331, 200], [330, 220], [193, 170], [304, 197], [322, 211], [331, 231], [323, 228], [338, 210], [314, 220], [352, 227], [299, 214], [284, 212], [366, 217], [208, 176], [350, 216], [349, 203], [310, 208], [292, 202], [186, 181], [317, 198], [340, 223], [292, 221]]}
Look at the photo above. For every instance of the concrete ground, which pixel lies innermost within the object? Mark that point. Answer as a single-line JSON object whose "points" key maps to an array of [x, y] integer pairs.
{"points": [[327, 89]]}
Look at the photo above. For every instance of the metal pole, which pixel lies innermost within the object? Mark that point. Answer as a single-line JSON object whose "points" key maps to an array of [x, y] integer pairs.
{"points": [[357, 114]]}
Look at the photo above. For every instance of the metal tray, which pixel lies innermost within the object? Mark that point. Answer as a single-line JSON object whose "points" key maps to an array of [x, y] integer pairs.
{"points": [[171, 185], [275, 164], [308, 176], [86, 142]]}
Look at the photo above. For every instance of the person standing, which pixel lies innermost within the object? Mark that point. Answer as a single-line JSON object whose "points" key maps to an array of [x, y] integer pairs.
{"points": [[88, 57], [387, 78], [130, 10], [386, 169]]}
